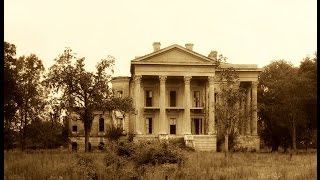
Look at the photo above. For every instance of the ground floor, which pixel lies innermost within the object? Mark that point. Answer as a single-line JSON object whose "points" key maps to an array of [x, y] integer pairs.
{"points": [[198, 142]]}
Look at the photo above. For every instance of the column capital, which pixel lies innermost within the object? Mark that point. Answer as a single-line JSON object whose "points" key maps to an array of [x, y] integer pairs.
{"points": [[254, 84], [137, 78], [162, 79], [187, 79], [211, 79]]}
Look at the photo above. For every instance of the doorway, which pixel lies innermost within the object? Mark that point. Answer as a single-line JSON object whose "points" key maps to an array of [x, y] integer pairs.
{"points": [[196, 126]]}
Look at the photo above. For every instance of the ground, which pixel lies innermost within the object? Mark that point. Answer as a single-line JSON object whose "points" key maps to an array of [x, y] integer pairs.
{"points": [[54, 164]]}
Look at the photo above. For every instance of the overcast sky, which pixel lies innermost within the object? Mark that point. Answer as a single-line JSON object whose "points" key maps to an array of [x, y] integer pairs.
{"points": [[247, 31]]}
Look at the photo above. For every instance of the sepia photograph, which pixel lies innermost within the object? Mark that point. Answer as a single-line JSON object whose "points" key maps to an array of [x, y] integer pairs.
{"points": [[160, 90]]}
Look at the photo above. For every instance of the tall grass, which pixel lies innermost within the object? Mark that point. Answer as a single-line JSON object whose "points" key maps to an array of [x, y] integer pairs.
{"points": [[199, 165]]}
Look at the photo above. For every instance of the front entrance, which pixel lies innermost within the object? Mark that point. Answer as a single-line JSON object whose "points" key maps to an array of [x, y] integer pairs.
{"points": [[196, 126]]}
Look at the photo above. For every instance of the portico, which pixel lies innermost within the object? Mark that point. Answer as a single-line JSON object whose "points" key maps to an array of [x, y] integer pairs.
{"points": [[174, 90]]}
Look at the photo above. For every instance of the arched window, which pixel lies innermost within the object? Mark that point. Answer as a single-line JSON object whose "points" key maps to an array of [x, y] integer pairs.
{"points": [[101, 124], [74, 146]]}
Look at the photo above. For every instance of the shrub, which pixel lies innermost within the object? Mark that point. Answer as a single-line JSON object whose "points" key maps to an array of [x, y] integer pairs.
{"points": [[157, 153], [114, 133]]}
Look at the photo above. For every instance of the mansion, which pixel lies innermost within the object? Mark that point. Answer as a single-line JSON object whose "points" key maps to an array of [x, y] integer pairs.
{"points": [[174, 93]]}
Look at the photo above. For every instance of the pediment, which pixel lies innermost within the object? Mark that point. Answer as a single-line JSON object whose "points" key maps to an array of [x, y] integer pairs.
{"points": [[173, 55]]}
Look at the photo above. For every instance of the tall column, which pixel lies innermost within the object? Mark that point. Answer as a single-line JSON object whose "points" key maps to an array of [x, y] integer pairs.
{"points": [[187, 104], [248, 110], [211, 125], [254, 108], [138, 106], [243, 120], [162, 115]]}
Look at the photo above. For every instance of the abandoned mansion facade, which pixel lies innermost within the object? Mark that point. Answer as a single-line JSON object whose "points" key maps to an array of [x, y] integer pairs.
{"points": [[174, 92]]}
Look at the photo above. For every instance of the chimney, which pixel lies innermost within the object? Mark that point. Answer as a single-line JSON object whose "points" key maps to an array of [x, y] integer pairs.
{"points": [[189, 46], [213, 55], [156, 46]]}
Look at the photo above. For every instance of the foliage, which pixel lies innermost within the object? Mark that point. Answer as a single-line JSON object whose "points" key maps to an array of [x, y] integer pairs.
{"points": [[11, 91], [284, 93], [45, 135], [82, 91], [53, 164], [156, 153], [227, 106], [114, 133], [24, 95]]}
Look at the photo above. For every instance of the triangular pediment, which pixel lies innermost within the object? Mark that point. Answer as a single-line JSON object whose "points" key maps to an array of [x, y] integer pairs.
{"points": [[174, 54]]}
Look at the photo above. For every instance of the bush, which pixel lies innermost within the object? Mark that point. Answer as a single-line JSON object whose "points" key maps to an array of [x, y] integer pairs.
{"points": [[157, 153], [114, 133]]}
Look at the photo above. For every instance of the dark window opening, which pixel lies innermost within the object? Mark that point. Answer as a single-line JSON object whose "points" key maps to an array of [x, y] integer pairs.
{"points": [[196, 98], [149, 125], [120, 93], [148, 98], [101, 146], [215, 97], [120, 122], [74, 128], [173, 98], [74, 146], [101, 124], [173, 126], [89, 147]]}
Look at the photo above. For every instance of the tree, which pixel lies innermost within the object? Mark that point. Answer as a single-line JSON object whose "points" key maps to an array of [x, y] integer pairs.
{"points": [[10, 85], [82, 92], [308, 74], [45, 135], [10, 94], [282, 94], [30, 96], [227, 107]]}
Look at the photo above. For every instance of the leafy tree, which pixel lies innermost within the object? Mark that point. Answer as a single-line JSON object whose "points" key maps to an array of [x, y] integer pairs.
{"points": [[29, 99], [82, 92], [283, 92], [307, 72], [10, 85], [227, 107], [10, 94], [45, 134]]}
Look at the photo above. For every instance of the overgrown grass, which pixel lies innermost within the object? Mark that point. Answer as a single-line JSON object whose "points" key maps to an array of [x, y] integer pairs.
{"points": [[198, 165]]}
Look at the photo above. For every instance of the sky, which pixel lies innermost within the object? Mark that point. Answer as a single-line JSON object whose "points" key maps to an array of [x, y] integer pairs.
{"points": [[246, 32]]}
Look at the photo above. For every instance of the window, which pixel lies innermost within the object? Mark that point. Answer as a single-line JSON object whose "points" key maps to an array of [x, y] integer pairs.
{"points": [[196, 99], [74, 128], [172, 125], [215, 97], [120, 94], [173, 98], [148, 98], [149, 125], [120, 123], [101, 124]]}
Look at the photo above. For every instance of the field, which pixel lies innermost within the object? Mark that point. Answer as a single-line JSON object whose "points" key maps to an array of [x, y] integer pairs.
{"points": [[56, 164]]}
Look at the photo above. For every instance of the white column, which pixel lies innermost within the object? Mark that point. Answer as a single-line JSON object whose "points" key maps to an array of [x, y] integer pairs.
{"points": [[242, 111], [187, 97], [254, 108], [211, 125], [162, 115], [248, 110], [138, 106]]}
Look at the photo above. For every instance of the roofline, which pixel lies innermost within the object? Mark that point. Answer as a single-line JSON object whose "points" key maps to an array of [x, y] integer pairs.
{"points": [[171, 47]]}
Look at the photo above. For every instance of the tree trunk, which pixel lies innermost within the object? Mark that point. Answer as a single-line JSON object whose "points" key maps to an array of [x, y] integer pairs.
{"points": [[86, 140], [294, 138], [226, 144]]}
